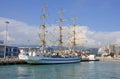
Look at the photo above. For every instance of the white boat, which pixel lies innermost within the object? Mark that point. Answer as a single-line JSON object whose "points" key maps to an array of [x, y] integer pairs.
{"points": [[92, 57], [40, 58]]}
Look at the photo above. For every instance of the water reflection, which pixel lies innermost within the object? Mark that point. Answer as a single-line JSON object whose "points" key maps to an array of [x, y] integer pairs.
{"points": [[65, 71], [84, 70], [24, 72]]}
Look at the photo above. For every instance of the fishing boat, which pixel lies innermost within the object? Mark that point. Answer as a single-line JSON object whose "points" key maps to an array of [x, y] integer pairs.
{"points": [[42, 56]]}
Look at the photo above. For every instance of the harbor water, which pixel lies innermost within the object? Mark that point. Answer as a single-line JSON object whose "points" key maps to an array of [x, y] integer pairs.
{"points": [[83, 70]]}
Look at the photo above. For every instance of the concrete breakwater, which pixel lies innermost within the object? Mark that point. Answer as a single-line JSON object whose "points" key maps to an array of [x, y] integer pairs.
{"points": [[109, 59], [11, 61]]}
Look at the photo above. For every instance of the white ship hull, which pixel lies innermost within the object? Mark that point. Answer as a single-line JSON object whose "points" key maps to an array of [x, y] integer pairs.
{"points": [[49, 60]]}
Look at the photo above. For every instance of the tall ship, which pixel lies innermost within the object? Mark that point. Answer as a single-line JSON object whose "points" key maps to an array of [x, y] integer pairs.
{"points": [[43, 56]]}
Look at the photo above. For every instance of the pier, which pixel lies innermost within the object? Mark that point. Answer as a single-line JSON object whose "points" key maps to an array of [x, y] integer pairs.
{"points": [[87, 60], [109, 59], [11, 61]]}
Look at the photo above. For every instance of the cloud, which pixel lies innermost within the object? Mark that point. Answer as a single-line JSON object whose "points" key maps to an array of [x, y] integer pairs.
{"points": [[18, 32], [104, 38], [21, 33]]}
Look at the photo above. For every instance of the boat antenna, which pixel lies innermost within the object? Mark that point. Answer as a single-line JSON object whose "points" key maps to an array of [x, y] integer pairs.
{"points": [[43, 27], [60, 27]]}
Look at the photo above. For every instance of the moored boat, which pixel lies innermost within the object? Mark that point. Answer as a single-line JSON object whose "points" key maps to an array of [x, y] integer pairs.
{"points": [[41, 56], [41, 59]]}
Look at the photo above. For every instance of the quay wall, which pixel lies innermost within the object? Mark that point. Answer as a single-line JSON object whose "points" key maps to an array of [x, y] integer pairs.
{"points": [[11, 61], [108, 59]]}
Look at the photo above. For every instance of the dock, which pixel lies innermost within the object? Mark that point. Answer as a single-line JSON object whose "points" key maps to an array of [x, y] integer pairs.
{"points": [[109, 59], [87, 60], [11, 61]]}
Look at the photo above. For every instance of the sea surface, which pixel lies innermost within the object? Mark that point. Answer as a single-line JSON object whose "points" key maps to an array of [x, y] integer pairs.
{"points": [[83, 70]]}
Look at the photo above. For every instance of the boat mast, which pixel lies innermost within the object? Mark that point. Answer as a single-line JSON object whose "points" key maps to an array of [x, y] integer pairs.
{"points": [[43, 28], [60, 28], [74, 33]]}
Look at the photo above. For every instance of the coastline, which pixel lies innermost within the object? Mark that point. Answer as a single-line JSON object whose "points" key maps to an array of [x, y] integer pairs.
{"points": [[15, 61]]}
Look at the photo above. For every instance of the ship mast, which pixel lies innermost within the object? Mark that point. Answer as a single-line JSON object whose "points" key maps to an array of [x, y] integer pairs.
{"points": [[43, 28], [74, 33], [60, 28]]}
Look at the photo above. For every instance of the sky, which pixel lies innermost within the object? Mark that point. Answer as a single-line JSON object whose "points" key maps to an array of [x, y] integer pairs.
{"points": [[97, 19]]}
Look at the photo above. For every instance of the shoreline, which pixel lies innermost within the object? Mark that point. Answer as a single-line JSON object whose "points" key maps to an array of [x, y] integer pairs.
{"points": [[16, 61]]}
